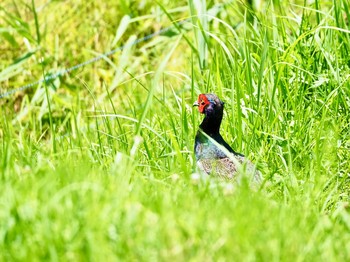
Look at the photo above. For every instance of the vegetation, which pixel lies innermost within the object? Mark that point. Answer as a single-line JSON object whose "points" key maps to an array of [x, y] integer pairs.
{"points": [[98, 164]]}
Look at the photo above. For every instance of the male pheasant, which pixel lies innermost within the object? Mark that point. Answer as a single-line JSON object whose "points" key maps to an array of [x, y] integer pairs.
{"points": [[213, 154]]}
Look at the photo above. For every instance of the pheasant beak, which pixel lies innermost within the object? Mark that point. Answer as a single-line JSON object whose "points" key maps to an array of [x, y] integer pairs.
{"points": [[196, 103]]}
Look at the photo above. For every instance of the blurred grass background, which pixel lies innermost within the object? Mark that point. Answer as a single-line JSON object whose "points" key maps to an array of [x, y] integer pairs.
{"points": [[96, 164]]}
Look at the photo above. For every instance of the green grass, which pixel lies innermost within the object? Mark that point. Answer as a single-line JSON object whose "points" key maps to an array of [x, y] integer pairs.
{"points": [[97, 165]]}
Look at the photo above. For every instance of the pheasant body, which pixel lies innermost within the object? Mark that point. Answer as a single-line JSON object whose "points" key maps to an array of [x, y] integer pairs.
{"points": [[213, 154]]}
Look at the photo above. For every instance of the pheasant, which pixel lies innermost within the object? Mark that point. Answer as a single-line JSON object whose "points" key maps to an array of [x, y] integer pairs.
{"points": [[213, 154]]}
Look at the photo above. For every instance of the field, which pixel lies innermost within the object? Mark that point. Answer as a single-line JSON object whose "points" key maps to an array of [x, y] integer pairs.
{"points": [[97, 163]]}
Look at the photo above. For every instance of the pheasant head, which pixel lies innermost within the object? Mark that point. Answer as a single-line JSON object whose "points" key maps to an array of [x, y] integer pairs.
{"points": [[212, 107]]}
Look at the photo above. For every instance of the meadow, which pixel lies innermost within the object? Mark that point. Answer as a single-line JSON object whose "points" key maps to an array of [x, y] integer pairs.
{"points": [[97, 164]]}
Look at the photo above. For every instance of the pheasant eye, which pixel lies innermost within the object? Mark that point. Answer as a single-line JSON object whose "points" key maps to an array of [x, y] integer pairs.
{"points": [[202, 103]]}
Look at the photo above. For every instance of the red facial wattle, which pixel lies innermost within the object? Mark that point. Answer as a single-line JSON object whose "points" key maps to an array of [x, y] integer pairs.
{"points": [[203, 102]]}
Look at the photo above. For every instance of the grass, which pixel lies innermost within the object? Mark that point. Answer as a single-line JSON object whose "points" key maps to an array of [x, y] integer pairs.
{"points": [[97, 165]]}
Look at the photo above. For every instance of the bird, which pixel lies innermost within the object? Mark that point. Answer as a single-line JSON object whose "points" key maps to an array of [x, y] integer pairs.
{"points": [[213, 155]]}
